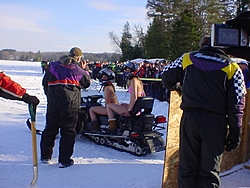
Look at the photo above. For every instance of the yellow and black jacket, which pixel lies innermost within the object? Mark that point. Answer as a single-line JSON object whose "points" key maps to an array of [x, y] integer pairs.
{"points": [[210, 81]]}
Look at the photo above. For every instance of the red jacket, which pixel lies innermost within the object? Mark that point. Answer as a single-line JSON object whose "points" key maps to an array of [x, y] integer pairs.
{"points": [[10, 89]]}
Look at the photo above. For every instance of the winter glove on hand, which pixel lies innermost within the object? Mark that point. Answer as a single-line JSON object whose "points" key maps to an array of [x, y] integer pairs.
{"points": [[233, 138], [177, 88], [30, 99]]}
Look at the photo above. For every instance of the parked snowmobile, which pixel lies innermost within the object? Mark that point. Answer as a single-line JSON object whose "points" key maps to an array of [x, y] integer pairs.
{"points": [[138, 134]]}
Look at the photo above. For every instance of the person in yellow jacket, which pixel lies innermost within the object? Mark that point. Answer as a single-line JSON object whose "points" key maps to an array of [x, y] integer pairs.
{"points": [[213, 97]]}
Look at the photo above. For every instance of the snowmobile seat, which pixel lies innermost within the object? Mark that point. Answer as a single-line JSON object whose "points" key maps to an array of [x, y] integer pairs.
{"points": [[141, 116], [144, 104], [141, 119]]}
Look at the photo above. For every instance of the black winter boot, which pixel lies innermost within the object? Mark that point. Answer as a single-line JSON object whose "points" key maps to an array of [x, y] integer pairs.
{"points": [[65, 165], [95, 126]]}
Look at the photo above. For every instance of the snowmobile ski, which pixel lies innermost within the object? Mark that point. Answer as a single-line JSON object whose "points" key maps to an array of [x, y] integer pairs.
{"points": [[28, 123], [105, 135]]}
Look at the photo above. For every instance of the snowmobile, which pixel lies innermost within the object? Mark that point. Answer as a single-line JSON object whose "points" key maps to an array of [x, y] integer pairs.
{"points": [[138, 134]]}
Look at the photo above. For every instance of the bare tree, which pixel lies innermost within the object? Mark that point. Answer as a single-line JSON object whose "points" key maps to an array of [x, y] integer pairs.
{"points": [[115, 40], [139, 35]]}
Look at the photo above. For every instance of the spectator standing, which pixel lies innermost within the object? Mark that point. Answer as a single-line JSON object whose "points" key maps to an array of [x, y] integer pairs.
{"points": [[118, 74], [97, 68], [142, 70], [213, 93], [151, 85], [44, 66], [147, 74], [112, 66], [62, 83], [159, 91]]}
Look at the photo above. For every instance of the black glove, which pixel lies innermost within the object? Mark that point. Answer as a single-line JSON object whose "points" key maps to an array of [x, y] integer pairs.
{"points": [[233, 138], [177, 88], [30, 99]]}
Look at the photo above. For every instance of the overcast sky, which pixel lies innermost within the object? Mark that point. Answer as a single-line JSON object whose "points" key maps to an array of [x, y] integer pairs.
{"points": [[58, 25]]}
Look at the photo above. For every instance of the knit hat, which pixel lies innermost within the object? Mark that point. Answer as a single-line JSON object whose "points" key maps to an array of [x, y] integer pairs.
{"points": [[75, 52]]}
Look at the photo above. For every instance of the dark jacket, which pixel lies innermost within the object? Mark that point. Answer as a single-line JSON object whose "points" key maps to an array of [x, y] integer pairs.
{"points": [[210, 81], [63, 81]]}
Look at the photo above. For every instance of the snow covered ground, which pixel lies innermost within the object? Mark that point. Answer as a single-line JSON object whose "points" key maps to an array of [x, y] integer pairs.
{"points": [[95, 166]]}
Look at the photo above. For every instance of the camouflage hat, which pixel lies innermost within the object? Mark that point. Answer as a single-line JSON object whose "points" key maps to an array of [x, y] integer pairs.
{"points": [[75, 52]]}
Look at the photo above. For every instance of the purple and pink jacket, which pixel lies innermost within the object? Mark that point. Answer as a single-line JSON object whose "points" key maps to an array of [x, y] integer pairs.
{"points": [[63, 81]]}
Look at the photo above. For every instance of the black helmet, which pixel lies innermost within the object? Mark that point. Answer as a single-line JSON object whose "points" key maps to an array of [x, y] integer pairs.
{"points": [[134, 67], [109, 73]]}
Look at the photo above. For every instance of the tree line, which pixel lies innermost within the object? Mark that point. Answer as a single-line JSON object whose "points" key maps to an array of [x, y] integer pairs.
{"points": [[12, 54], [176, 27]]}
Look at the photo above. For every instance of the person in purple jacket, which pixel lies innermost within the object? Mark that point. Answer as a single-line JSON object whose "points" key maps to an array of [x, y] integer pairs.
{"points": [[62, 84]]}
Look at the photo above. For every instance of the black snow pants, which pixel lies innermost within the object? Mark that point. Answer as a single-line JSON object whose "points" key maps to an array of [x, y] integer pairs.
{"points": [[64, 120], [202, 136]]}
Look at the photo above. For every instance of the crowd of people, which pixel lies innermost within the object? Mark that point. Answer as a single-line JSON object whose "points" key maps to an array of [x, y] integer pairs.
{"points": [[149, 72]]}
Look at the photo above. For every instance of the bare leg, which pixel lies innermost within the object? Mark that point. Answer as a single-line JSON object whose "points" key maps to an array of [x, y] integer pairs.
{"points": [[111, 108], [125, 105], [97, 110]]}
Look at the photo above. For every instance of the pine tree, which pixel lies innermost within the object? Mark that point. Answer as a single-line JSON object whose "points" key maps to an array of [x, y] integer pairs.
{"points": [[126, 44], [184, 35], [155, 39]]}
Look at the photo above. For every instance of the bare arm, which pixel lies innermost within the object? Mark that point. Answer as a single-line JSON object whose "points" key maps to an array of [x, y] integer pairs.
{"points": [[107, 95], [133, 96]]}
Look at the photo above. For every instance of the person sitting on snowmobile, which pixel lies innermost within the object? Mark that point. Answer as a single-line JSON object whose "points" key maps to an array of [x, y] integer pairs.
{"points": [[107, 77], [135, 88]]}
